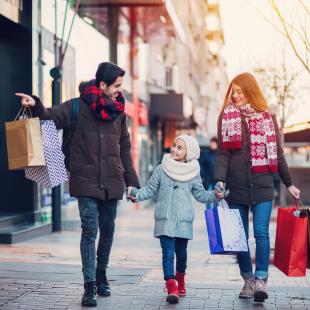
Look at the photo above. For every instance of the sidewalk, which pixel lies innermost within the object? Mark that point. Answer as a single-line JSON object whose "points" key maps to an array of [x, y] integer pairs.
{"points": [[45, 273]]}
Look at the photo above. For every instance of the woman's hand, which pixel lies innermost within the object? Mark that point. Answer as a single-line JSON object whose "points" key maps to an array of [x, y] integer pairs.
{"points": [[294, 191], [219, 195], [26, 100], [219, 190]]}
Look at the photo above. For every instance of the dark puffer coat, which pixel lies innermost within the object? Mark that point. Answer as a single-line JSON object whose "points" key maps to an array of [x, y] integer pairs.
{"points": [[234, 168], [100, 159]]}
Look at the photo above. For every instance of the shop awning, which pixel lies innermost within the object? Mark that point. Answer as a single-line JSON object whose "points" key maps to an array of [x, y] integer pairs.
{"points": [[150, 15], [171, 106], [299, 133], [101, 3]]}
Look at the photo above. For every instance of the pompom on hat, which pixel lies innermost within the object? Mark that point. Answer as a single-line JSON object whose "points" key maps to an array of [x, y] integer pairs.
{"points": [[192, 147]]}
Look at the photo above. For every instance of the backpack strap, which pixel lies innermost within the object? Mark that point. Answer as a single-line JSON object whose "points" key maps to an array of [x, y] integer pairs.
{"points": [[123, 118], [75, 102]]}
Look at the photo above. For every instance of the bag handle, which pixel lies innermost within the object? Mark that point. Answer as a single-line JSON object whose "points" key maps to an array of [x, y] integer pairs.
{"points": [[299, 204], [221, 204], [22, 112]]}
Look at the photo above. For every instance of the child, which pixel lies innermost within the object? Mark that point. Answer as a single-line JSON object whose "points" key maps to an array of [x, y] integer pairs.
{"points": [[174, 181]]}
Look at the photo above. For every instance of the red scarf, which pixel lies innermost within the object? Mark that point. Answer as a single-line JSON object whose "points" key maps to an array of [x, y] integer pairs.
{"points": [[104, 107], [263, 144]]}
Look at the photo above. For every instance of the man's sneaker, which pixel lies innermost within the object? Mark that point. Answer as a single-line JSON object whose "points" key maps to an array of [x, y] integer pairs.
{"points": [[248, 288], [89, 296], [260, 292]]}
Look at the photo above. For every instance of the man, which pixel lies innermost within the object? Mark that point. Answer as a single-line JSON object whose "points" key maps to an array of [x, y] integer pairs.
{"points": [[207, 164], [100, 162]]}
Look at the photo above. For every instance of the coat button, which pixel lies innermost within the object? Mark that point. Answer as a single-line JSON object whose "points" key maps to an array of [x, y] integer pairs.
{"points": [[101, 185], [101, 135]]}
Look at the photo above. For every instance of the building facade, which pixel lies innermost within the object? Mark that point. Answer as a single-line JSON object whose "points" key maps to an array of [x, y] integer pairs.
{"points": [[175, 76]]}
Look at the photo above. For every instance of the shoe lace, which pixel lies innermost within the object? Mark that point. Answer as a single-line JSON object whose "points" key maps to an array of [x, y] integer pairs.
{"points": [[248, 283], [260, 284]]}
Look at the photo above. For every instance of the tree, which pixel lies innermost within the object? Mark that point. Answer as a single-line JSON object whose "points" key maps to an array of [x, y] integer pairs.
{"points": [[296, 35], [279, 86]]}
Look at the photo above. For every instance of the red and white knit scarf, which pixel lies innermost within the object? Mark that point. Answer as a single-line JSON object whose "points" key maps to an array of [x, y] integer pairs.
{"points": [[263, 145]]}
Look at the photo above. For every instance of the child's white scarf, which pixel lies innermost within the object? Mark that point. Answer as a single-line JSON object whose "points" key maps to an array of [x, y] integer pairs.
{"points": [[180, 171]]}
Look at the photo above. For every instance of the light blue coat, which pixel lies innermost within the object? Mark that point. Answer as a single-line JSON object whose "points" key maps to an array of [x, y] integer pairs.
{"points": [[174, 210]]}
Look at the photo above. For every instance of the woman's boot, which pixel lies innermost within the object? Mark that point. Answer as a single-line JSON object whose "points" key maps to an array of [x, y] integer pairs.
{"points": [[180, 277], [248, 288], [173, 293], [260, 291]]}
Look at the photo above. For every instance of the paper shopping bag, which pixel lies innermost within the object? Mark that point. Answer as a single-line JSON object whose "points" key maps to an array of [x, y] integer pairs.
{"points": [[24, 143], [54, 173], [291, 243], [225, 231]]}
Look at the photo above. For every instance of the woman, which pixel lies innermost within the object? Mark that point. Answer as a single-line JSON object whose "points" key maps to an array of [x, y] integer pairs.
{"points": [[248, 156]]}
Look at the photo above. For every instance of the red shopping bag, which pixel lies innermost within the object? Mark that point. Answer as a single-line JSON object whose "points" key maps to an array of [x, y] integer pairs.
{"points": [[291, 244]]}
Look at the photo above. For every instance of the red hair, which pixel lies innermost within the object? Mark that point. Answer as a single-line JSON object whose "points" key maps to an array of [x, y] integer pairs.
{"points": [[251, 90]]}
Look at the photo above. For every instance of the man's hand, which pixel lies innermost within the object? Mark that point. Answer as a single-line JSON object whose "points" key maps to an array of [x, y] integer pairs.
{"points": [[26, 100], [294, 191], [131, 198], [129, 188]]}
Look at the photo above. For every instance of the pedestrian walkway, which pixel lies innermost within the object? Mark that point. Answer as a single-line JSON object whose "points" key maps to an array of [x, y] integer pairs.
{"points": [[45, 273]]}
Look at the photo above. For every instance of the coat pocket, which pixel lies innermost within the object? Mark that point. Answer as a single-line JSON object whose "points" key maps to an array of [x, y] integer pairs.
{"points": [[187, 214], [161, 211]]}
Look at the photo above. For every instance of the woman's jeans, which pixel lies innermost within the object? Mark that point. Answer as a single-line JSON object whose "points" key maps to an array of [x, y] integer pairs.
{"points": [[261, 217], [169, 247], [96, 213]]}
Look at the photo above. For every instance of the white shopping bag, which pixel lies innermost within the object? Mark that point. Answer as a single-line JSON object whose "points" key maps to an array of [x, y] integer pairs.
{"points": [[54, 173], [225, 230]]}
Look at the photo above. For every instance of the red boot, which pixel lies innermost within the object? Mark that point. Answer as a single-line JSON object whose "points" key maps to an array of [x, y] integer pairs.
{"points": [[180, 277], [173, 293]]}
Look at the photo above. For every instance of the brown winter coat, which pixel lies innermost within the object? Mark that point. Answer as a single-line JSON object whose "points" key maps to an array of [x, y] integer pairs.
{"points": [[100, 158], [234, 168]]}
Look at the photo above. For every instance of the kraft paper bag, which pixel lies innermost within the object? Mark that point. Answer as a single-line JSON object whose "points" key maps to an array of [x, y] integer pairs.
{"points": [[24, 143]]}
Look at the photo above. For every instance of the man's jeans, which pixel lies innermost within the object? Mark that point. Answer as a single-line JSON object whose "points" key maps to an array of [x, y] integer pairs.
{"points": [[94, 213], [169, 247], [261, 218]]}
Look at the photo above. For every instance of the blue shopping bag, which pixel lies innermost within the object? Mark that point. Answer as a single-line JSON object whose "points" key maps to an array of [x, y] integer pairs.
{"points": [[225, 230]]}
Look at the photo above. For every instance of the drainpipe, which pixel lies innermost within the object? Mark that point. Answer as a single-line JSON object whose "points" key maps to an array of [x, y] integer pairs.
{"points": [[56, 99], [113, 13], [134, 90], [134, 80]]}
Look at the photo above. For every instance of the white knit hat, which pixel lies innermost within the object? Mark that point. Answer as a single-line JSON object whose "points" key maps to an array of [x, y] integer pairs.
{"points": [[192, 147]]}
